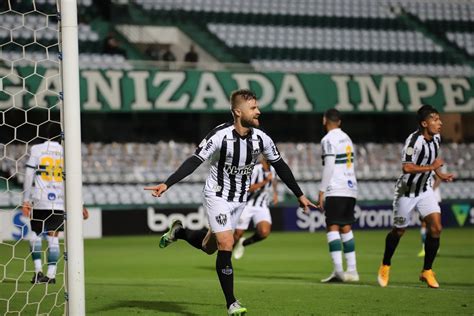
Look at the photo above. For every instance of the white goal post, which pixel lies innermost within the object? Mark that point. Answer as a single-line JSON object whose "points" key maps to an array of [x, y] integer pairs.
{"points": [[74, 253]]}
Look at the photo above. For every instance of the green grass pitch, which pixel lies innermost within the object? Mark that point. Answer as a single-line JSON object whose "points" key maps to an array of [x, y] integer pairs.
{"points": [[279, 276]]}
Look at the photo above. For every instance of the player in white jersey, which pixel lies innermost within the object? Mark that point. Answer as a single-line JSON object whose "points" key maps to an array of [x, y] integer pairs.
{"points": [[43, 201], [413, 191], [337, 196], [262, 189], [233, 150]]}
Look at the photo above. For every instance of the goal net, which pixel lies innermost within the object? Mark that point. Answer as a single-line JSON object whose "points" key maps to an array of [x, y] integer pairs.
{"points": [[31, 100]]}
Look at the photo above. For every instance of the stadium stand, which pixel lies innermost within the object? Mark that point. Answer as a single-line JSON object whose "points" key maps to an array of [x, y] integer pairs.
{"points": [[115, 173], [361, 36], [365, 36]]}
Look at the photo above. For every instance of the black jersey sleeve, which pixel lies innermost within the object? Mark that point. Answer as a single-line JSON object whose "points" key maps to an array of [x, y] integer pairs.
{"points": [[186, 168]]}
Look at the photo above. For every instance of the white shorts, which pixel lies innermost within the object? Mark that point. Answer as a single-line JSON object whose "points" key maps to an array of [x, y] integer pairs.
{"points": [[257, 214], [403, 206], [222, 214]]}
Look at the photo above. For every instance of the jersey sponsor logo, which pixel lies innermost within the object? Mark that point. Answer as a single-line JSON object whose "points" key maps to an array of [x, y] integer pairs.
{"points": [[350, 184], [234, 170], [217, 188], [221, 219], [51, 196], [410, 151]]}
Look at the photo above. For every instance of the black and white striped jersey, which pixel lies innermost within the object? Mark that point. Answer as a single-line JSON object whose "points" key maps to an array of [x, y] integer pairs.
{"points": [[421, 152], [232, 159], [262, 196]]}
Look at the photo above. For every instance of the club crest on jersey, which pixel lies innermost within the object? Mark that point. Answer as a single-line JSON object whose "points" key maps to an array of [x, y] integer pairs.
{"points": [[221, 219]]}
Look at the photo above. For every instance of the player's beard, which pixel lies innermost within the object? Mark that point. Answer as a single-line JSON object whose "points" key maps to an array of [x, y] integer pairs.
{"points": [[252, 122]]}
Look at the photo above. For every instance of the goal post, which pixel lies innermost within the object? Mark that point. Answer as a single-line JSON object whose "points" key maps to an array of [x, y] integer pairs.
{"points": [[74, 253]]}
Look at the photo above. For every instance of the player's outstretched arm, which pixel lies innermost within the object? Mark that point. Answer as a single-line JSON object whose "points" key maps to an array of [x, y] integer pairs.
{"points": [[446, 177], [412, 168], [306, 204], [287, 177], [186, 168]]}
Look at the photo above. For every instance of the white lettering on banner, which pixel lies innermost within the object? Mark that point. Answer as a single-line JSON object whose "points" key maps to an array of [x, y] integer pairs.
{"points": [[109, 89], [373, 218], [268, 91], [417, 93], [454, 89], [140, 89], [311, 222], [343, 103], [383, 98], [209, 88], [291, 89], [175, 79], [364, 218], [159, 222]]}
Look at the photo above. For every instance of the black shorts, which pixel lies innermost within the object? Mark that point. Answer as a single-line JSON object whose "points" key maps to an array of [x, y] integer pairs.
{"points": [[47, 221], [339, 210]]}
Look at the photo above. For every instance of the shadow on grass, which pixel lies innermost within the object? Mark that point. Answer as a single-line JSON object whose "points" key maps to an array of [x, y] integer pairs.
{"points": [[155, 306]]}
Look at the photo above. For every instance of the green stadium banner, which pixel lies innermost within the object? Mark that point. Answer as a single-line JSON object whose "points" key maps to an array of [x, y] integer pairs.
{"points": [[206, 91]]}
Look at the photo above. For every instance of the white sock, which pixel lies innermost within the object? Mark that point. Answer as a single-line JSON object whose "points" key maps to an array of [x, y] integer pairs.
{"points": [[35, 247], [53, 256], [423, 230], [334, 241], [38, 267], [52, 271], [351, 255]]}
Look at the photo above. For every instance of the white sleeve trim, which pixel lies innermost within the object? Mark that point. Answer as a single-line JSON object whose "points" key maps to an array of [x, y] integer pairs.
{"points": [[200, 158], [329, 163]]}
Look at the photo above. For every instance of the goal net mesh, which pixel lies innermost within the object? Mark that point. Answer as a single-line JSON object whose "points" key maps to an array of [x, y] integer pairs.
{"points": [[30, 97]]}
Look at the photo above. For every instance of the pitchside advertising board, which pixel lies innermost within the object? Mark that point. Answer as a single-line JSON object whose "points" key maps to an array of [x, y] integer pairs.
{"points": [[15, 226], [152, 220]]}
